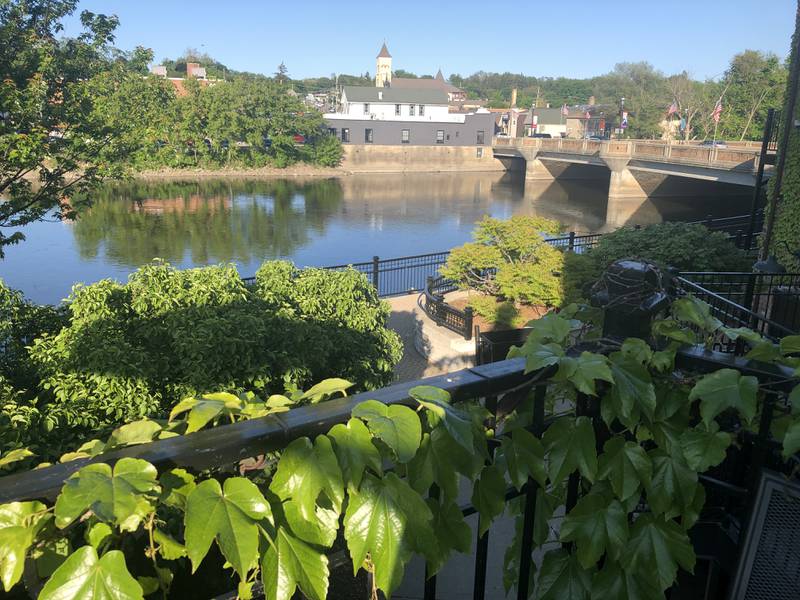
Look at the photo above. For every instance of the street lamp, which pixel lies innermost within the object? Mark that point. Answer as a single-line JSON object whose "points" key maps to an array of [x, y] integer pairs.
{"points": [[621, 114]]}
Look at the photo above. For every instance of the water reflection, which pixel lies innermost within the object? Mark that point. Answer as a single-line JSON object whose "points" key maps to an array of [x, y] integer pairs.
{"points": [[314, 222]]}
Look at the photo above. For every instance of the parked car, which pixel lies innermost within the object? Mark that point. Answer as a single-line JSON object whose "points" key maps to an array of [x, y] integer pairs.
{"points": [[299, 139], [542, 135], [715, 143]]}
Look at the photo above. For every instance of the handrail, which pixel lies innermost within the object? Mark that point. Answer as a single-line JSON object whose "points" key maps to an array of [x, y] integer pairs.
{"points": [[440, 312]]}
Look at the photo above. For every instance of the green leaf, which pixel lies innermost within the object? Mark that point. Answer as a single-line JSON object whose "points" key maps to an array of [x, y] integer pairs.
{"points": [[545, 506], [305, 471], [745, 333], [673, 484], [584, 371], [551, 328], [320, 531], [87, 449], [123, 496], [791, 441], [632, 394], [375, 524], [626, 465], [397, 426], [97, 534], [138, 432], [790, 345], [570, 445], [149, 585], [538, 356], [663, 361], [290, 563], [20, 522], [488, 496], [176, 485], [457, 423], [325, 389], [764, 351], [168, 546], [658, 547], [229, 514], [704, 448], [691, 514], [524, 456], [15, 456], [614, 583], [794, 400], [355, 450], [450, 532], [671, 329], [596, 527], [561, 577], [84, 575], [638, 350], [695, 311], [723, 389], [440, 460], [207, 408]]}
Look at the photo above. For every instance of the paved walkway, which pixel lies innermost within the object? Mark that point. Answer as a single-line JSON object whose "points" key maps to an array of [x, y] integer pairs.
{"points": [[403, 320]]}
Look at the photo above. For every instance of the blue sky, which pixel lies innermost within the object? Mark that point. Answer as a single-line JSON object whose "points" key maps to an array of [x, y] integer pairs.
{"points": [[575, 38]]}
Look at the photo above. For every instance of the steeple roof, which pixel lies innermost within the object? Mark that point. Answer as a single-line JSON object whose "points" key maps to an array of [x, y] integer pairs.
{"points": [[384, 53], [439, 75]]}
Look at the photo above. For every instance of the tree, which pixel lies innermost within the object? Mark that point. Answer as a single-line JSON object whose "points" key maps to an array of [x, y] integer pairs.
{"points": [[281, 73], [754, 82], [54, 139]]}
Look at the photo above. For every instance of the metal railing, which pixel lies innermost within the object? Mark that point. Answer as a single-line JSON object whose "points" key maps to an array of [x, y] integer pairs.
{"points": [[442, 313], [732, 486]]}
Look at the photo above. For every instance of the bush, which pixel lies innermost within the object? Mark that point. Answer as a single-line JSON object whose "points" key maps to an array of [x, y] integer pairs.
{"points": [[510, 259], [326, 151], [683, 246], [132, 350]]}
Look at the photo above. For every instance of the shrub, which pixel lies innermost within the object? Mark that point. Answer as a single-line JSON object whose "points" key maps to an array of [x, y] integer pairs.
{"points": [[131, 350], [326, 151], [684, 246], [510, 259]]}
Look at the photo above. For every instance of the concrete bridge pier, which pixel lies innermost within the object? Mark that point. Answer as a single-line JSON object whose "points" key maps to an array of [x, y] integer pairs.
{"points": [[536, 171], [622, 183]]}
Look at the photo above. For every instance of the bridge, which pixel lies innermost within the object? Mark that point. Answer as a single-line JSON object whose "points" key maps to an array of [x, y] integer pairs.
{"points": [[633, 163]]}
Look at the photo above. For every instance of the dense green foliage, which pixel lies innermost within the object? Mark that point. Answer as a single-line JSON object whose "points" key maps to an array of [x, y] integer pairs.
{"points": [[510, 259], [132, 350], [786, 234], [128, 531], [77, 111], [681, 246]]}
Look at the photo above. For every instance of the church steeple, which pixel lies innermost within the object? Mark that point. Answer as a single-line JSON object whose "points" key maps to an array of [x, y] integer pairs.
{"points": [[383, 68]]}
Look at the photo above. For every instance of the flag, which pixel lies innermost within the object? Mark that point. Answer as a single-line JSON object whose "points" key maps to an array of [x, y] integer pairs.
{"points": [[717, 111], [683, 124], [624, 121], [587, 116], [673, 108], [565, 110]]}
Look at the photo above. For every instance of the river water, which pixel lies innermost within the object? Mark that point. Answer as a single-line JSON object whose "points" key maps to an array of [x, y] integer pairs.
{"points": [[314, 222]]}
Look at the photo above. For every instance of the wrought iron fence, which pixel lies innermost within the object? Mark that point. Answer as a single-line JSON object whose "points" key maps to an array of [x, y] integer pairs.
{"points": [[773, 299], [730, 486], [442, 313]]}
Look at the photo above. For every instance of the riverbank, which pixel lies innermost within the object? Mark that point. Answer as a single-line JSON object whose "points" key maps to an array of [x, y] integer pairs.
{"points": [[300, 170]]}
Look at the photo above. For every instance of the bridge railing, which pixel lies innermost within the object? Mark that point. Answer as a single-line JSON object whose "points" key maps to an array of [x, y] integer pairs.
{"points": [[740, 158]]}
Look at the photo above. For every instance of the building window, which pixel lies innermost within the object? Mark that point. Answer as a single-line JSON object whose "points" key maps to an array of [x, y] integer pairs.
{"points": [[410, 110], [479, 152], [345, 134], [332, 131], [396, 110], [368, 136], [480, 138], [405, 136], [421, 110], [366, 108], [440, 136]]}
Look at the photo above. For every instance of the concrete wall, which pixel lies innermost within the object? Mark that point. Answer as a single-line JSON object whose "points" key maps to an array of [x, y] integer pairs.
{"points": [[422, 133], [375, 158]]}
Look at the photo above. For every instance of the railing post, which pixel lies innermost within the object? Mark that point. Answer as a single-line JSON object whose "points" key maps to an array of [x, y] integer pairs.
{"points": [[468, 323], [571, 246], [376, 273]]}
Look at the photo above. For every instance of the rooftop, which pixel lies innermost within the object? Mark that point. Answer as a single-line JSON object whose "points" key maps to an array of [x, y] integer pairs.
{"points": [[384, 53], [394, 94]]}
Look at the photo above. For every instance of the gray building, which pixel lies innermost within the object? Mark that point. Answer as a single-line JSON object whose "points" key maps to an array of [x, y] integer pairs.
{"points": [[416, 117]]}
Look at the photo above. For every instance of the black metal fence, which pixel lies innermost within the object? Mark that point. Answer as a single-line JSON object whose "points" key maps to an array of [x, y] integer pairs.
{"points": [[769, 303], [442, 313], [730, 487]]}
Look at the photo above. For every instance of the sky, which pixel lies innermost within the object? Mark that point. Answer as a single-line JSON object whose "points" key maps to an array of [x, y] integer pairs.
{"points": [[573, 38]]}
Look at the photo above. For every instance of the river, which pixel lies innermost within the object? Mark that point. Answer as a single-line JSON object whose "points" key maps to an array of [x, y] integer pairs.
{"points": [[313, 222]]}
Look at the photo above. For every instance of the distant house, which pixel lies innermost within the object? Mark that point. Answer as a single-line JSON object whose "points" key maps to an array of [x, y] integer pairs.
{"points": [[547, 121], [397, 116], [193, 70]]}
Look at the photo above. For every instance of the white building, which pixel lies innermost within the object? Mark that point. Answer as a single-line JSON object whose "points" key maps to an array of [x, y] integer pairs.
{"points": [[386, 103]]}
